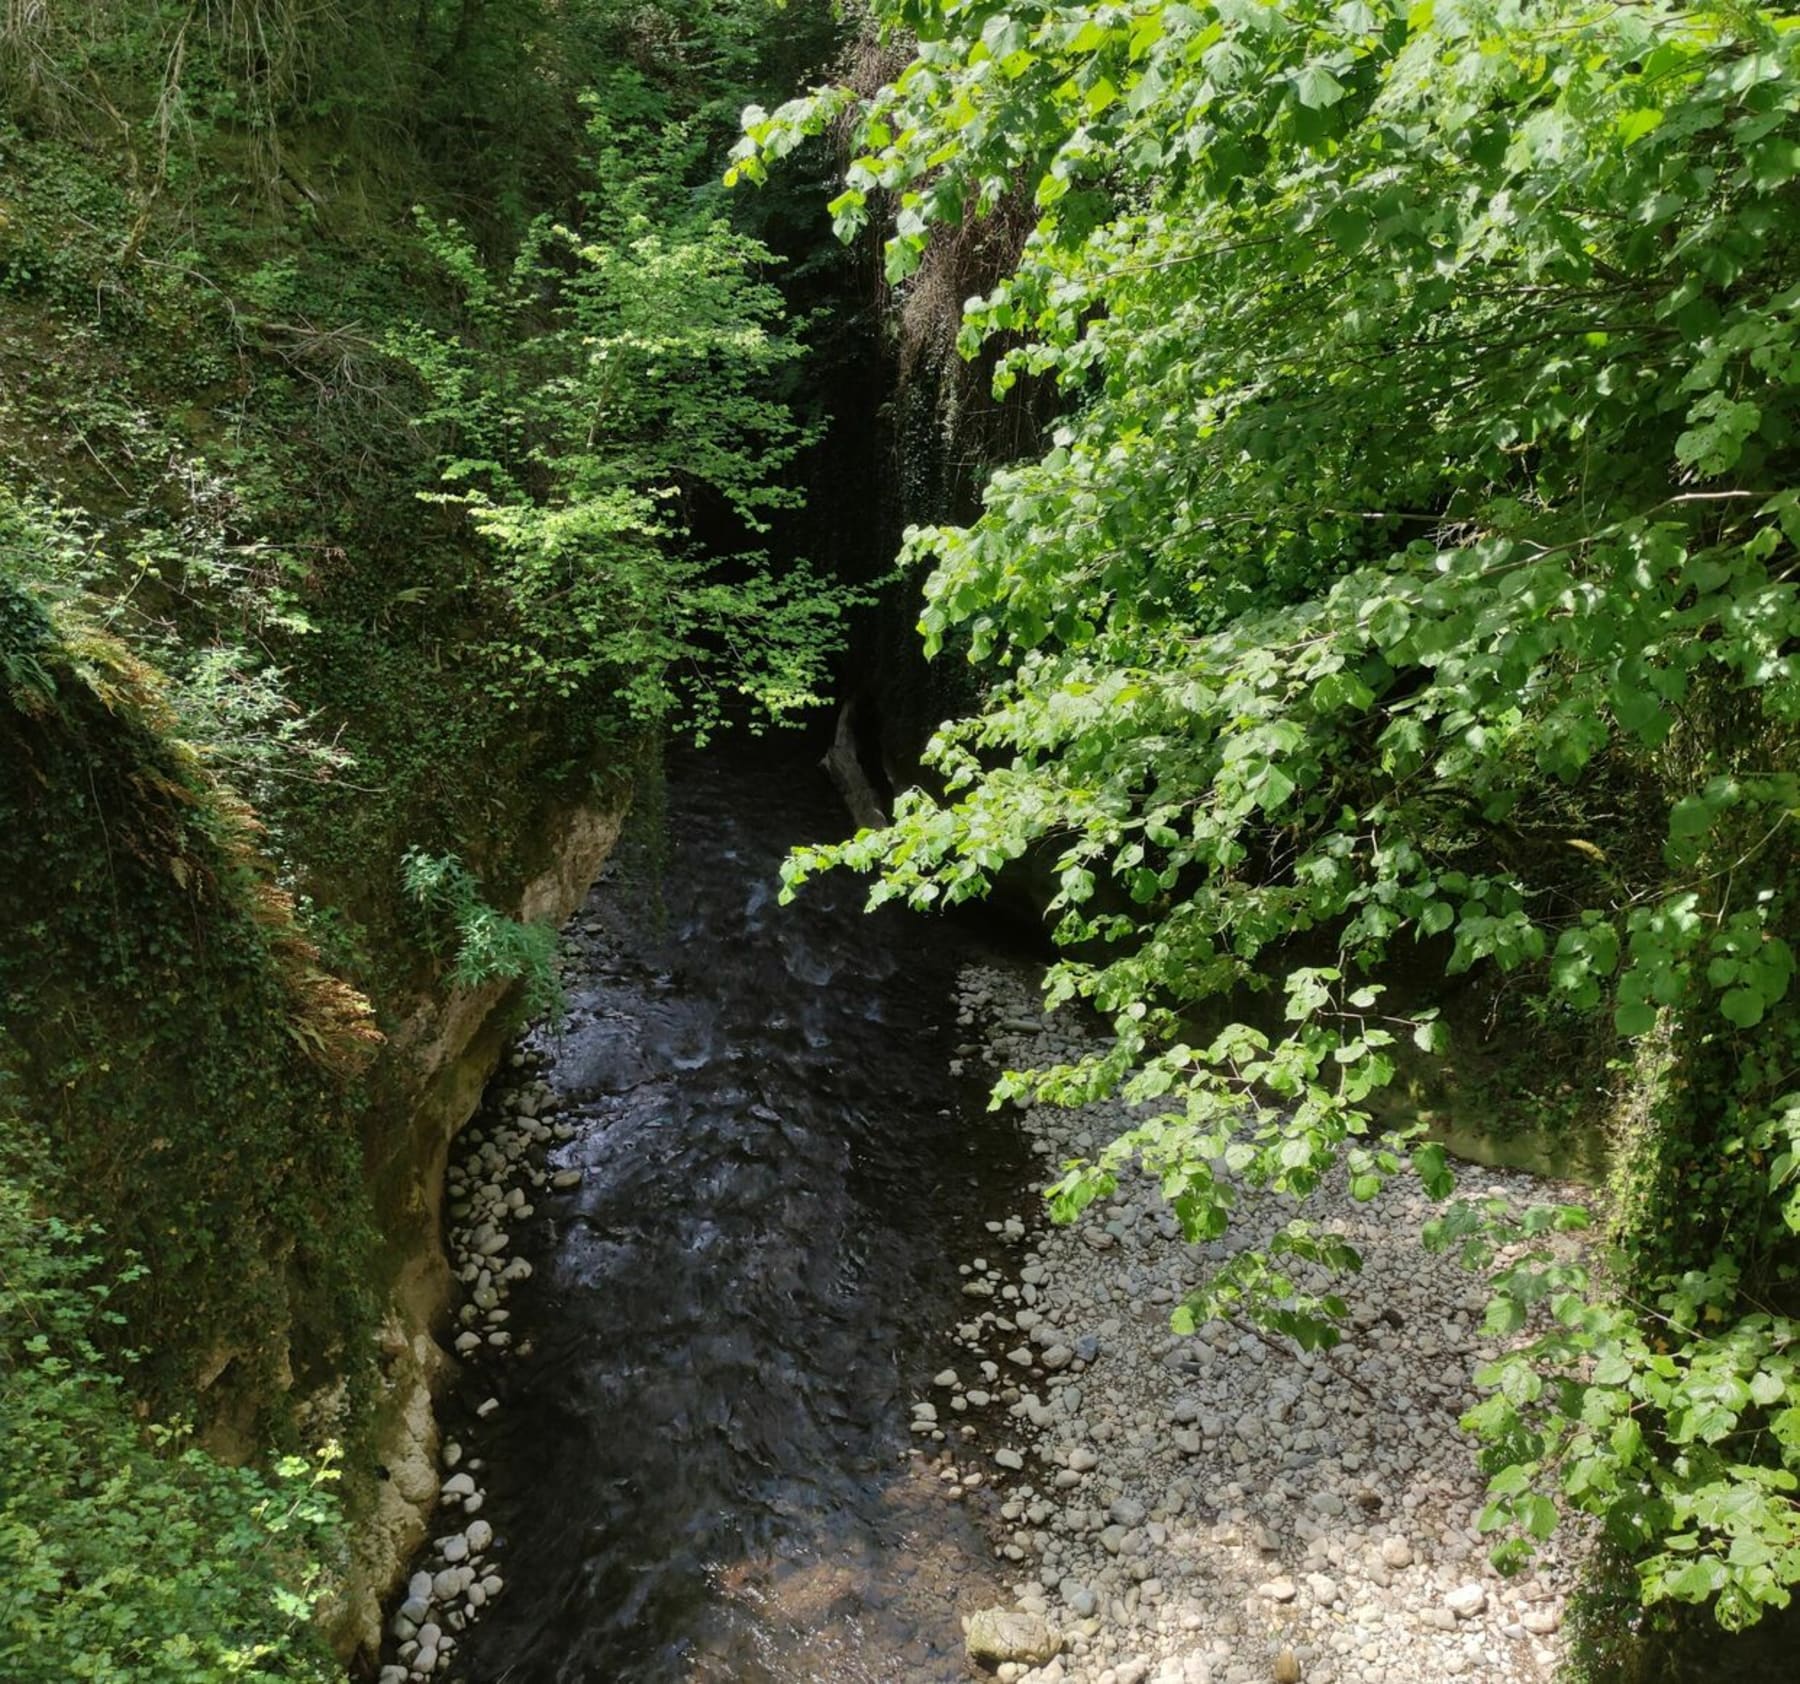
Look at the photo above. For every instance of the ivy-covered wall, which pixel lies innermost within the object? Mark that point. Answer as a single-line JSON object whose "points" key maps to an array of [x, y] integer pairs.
{"points": [[157, 989]]}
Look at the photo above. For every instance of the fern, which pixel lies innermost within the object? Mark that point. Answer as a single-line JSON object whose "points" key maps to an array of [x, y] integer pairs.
{"points": [[489, 946]]}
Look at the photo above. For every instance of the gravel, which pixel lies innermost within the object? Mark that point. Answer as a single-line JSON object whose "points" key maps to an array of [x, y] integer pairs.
{"points": [[1224, 1508]]}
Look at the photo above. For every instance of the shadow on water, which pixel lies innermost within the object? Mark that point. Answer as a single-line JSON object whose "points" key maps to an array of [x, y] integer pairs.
{"points": [[700, 1472]]}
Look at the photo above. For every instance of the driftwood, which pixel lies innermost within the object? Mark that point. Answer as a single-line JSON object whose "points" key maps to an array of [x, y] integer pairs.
{"points": [[845, 766]]}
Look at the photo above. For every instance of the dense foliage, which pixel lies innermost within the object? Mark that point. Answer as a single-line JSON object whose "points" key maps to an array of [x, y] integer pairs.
{"points": [[616, 389], [393, 426], [133, 1557], [1412, 582]]}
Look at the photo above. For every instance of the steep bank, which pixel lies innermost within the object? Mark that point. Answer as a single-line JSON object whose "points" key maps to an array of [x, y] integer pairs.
{"points": [[334, 633], [272, 1161], [444, 1053]]}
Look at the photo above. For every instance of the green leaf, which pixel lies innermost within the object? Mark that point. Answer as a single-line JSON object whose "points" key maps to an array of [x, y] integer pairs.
{"points": [[1316, 88], [1432, 1166], [1691, 816], [1742, 1006], [1693, 1581], [1537, 1514]]}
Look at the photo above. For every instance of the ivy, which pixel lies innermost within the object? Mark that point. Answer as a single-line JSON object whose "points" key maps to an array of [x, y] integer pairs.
{"points": [[130, 1554]]}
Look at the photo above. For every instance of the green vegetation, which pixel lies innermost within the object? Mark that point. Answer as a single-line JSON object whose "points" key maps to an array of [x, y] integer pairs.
{"points": [[402, 429], [398, 422], [131, 1553], [1411, 585], [490, 947], [595, 402]]}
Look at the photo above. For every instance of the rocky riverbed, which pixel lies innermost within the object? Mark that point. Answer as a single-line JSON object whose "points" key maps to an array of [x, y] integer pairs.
{"points": [[1220, 1509], [500, 1171], [1215, 1509]]}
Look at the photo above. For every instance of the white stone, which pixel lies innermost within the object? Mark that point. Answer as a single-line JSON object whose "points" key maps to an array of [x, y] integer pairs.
{"points": [[1466, 1601]]}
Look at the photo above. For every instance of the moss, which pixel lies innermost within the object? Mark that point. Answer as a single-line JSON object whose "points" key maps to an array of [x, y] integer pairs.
{"points": [[189, 1062]]}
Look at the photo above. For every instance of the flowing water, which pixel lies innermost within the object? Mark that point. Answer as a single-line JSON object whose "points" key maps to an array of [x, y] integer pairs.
{"points": [[701, 1472]]}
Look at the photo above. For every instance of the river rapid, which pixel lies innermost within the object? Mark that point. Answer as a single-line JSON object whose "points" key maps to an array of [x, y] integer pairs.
{"points": [[699, 1469]]}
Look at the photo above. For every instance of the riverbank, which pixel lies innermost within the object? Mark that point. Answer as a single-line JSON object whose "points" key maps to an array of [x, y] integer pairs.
{"points": [[1219, 1509], [738, 1175]]}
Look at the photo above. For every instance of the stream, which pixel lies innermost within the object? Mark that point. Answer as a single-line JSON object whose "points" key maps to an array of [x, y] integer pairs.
{"points": [[700, 1466], [700, 1471]]}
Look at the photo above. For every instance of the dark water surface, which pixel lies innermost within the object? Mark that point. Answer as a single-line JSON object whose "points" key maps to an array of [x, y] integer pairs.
{"points": [[700, 1471]]}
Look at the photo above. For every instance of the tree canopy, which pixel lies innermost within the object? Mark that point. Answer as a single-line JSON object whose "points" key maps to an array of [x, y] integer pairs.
{"points": [[1411, 578]]}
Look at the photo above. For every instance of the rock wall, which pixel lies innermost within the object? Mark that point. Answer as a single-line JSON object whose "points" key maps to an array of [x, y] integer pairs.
{"points": [[441, 1057]]}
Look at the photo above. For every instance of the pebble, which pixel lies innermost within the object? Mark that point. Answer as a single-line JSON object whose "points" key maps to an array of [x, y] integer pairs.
{"points": [[1466, 1601], [1217, 1509], [486, 1191]]}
